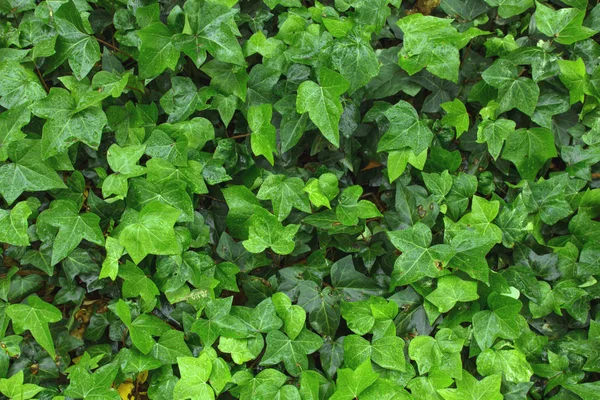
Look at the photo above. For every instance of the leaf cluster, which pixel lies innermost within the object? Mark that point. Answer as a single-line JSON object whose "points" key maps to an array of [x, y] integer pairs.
{"points": [[300, 200]]}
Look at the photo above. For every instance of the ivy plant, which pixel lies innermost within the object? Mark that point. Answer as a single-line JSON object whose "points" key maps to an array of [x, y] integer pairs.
{"points": [[300, 200]]}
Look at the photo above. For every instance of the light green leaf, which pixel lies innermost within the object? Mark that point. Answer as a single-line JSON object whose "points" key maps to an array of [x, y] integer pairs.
{"points": [[351, 383], [15, 389], [227, 78], [511, 364], [494, 133], [71, 227], [529, 149], [294, 317], [322, 102], [406, 130], [266, 231], [74, 42], [67, 123], [564, 25], [110, 265], [354, 57], [149, 231], [292, 352], [547, 197], [350, 209], [502, 320], [18, 85], [195, 372], [521, 93], [13, 225], [441, 353], [262, 139], [574, 76], [210, 27], [35, 317], [483, 212], [11, 122], [242, 206], [323, 189], [387, 352], [469, 388], [170, 347], [450, 290], [136, 283], [456, 116], [510, 8], [157, 52], [419, 259]]}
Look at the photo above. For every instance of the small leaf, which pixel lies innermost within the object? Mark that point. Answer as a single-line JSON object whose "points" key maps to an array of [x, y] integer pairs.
{"points": [[456, 116], [529, 149], [35, 317], [322, 102]]}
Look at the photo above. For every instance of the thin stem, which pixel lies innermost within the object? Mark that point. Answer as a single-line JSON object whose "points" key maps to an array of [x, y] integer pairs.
{"points": [[212, 198], [240, 136], [39, 74], [115, 48]]}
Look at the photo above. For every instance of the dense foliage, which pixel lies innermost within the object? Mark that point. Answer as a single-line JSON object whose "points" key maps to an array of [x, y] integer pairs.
{"points": [[287, 199]]}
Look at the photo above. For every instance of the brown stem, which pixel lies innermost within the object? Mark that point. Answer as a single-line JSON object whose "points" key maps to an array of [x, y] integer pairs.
{"points": [[134, 88], [240, 136], [39, 74], [25, 273], [115, 48], [212, 198]]}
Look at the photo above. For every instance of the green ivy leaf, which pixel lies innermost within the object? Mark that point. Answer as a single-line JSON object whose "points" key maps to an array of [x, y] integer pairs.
{"points": [[35, 317], [322, 190], [510, 8], [472, 389], [354, 57], [322, 102], [564, 25], [13, 225], [406, 130], [547, 198], [419, 259], [210, 27], [136, 283], [263, 134], [14, 388], [512, 364], [71, 227], [350, 209], [574, 76], [456, 116], [351, 383], [266, 231], [292, 352], [149, 231], [284, 193], [502, 320], [387, 352], [293, 316], [67, 123], [441, 353], [494, 133], [18, 85], [529, 149], [195, 373], [74, 41], [450, 290], [157, 52]]}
